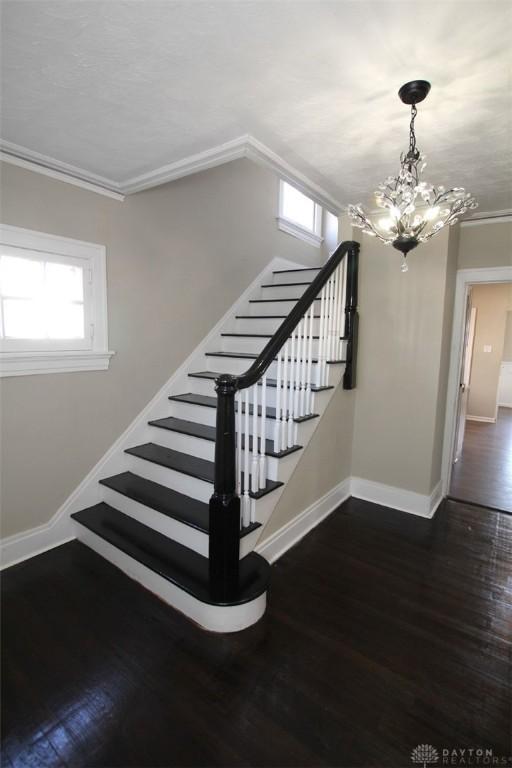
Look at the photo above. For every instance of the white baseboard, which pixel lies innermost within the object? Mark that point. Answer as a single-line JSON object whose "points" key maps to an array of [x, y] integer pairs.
{"points": [[27, 544], [397, 498], [14, 549], [280, 541], [486, 419]]}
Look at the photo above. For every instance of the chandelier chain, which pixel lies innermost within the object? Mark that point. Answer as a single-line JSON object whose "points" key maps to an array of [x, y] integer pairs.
{"points": [[412, 134]]}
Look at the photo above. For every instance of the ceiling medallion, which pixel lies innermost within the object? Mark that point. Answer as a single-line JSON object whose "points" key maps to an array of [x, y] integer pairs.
{"points": [[414, 210]]}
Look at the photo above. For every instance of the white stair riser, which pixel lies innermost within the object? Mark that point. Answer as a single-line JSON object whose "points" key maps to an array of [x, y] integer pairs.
{"points": [[213, 618], [283, 291], [201, 386], [256, 344], [195, 446], [265, 325], [295, 276], [190, 486], [248, 542], [239, 365], [204, 449], [173, 529], [275, 307], [189, 412], [178, 481], [207, 387], [200, 414]]}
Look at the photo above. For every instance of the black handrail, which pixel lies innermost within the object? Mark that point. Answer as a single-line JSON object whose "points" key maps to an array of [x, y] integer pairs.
{"points": [[285, 330], [224, 541]]}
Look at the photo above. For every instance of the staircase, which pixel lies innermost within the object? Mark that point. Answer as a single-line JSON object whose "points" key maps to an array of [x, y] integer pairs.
{"points": [[185, 508]]}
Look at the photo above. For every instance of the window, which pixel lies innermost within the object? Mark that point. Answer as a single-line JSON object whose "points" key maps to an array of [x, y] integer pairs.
{"points": [[53, 307], [299, 215]]}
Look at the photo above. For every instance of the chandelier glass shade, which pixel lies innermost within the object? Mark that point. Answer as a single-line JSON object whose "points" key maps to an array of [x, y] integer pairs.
{"points": [[411, 211]]}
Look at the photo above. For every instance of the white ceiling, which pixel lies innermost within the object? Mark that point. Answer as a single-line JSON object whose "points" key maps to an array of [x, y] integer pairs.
{"points": [[122, 88]]}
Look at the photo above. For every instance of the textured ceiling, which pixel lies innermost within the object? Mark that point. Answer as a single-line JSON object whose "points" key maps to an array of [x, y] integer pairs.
{"points": [[121, 88]]}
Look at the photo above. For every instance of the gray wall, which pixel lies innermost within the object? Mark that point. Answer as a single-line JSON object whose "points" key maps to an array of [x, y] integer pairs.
{"points": [[325, 463], [405, 321], [485, 245], [178, 256]]}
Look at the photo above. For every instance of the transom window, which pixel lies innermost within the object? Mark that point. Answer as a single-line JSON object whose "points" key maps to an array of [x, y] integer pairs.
{"points": [[299, 215], [53, 310]]}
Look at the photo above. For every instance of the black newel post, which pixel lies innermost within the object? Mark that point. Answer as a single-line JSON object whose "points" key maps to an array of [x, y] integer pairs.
{"points": [[351, 318], [225, 504]]}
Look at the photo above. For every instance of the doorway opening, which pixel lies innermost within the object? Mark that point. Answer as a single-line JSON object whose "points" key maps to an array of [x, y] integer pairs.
{"points": [[478, 435]]}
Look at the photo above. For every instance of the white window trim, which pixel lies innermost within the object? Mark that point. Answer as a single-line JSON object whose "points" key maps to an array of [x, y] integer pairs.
{"points": [[97, 358], [313, 237]]}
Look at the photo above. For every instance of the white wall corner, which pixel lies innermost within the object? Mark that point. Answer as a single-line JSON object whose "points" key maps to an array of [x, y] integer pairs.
{"points": [[397, 498], [291, 533]]}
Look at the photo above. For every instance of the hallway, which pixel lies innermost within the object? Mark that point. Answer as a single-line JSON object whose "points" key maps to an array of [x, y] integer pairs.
{"points": [[483, 475]]}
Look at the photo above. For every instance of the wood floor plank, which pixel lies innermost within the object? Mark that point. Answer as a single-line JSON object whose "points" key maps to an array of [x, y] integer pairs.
{"points": [[383, 631], [483, 474]]}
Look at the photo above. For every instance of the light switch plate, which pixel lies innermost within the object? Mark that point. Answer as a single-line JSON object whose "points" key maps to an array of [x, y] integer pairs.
{"points": [[487, 348]]}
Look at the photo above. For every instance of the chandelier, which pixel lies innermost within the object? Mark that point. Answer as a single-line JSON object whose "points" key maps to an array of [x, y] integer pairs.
{"points": [[413, 211]]}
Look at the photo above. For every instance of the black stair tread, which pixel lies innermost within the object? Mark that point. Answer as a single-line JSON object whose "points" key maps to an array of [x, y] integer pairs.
{"points": [[285, 298], [172, 561], [208, 433], [192, 428], [190, 397], [254, 355], [268, 336], [300, 269], [188, 465], [165, 500], [209, 401], [270, 382], [266, 317], [280, 285]]}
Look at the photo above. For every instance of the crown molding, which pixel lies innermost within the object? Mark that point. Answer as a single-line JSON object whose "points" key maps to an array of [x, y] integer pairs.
{"points": [[243, 146], [202, 161], [487, 217], [56, 169]]}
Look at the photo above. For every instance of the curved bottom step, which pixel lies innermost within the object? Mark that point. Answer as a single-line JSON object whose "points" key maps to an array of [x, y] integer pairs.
{"points": [[176, 574]]}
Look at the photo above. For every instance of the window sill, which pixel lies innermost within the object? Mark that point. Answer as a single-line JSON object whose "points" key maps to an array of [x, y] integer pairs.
{"points": [[30, 363], [285, 225]]}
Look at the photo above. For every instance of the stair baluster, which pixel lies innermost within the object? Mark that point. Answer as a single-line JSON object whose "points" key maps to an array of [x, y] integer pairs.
{"points": [[284, 426], [277, 426], [255, 465], [263, 433], [246, 503], [309, 363]]}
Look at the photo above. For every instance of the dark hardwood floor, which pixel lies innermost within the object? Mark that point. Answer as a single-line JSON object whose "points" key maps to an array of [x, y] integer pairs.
{"points": [[384, 631], [483, 474]]}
